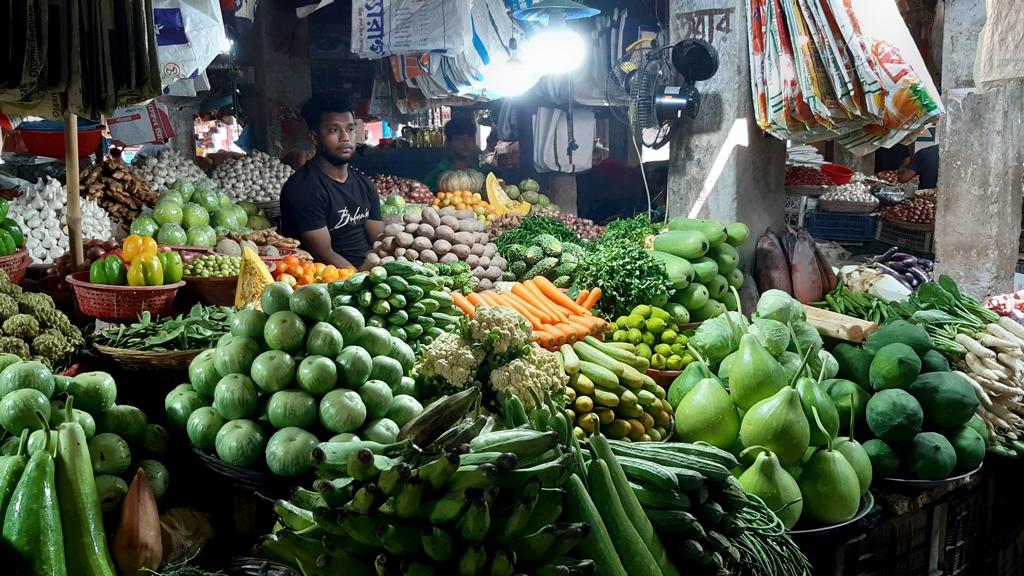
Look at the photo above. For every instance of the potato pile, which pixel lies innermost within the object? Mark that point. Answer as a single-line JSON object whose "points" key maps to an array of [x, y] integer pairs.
{"points": [[441, 235]]}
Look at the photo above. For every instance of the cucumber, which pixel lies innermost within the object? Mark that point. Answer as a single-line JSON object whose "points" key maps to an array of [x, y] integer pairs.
{"points": [[662, 499], [599, 544], [599, 375], [631, 506], [413, 293], [570, 361], [443, 298], [632, 550], [616, 353], [675, 522], [649, 473], [711, 470], [429, 304], [588, 353], [397, 284]]}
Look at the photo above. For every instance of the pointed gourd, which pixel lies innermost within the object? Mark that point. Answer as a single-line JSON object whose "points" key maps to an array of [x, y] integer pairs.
{"points": [[755, 374]]}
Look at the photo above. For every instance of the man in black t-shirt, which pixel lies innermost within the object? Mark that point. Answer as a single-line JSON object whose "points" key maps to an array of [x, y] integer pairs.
{"points": [[333, 211], [925, 164]]}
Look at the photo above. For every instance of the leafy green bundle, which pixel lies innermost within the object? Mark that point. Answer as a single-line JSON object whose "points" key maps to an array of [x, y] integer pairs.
{"points": [[627, 275], [199, 329]]}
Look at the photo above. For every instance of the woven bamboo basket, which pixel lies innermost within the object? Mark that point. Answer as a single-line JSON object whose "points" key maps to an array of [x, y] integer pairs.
{"points": [[147, 360]]}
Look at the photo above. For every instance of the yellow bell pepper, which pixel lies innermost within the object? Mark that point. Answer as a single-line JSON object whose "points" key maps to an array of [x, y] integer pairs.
{"points": [[145, 270], [136, 245]]}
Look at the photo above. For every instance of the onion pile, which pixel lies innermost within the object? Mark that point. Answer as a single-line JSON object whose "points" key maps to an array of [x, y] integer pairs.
{"points": [[257, 177], [585, 228], [915, 210], [804, 176], [162, 169], [412, 190], [92, 250], [42, 215]]}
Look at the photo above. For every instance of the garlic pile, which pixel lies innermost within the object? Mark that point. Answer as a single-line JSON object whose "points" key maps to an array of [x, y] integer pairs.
{"points": [[42, 215], [852, 192], [167, 166], [257, 177]]}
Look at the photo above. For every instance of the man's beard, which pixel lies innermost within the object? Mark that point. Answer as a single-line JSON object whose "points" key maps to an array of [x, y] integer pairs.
{"points": [[336, 161]]}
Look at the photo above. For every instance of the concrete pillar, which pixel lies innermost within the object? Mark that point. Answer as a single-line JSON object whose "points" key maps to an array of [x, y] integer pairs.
{"points": [[722, 165], [981, 171], [282, 70]]}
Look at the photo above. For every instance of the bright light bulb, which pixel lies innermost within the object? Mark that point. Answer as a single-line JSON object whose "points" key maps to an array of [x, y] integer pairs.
{"points": [[509, 78], [555, 50]]}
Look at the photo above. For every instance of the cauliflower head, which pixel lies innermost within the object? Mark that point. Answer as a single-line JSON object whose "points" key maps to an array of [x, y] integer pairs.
{"points": [[530, 376], [8, 306], [21, 326], [499, 329], [451, 359]]}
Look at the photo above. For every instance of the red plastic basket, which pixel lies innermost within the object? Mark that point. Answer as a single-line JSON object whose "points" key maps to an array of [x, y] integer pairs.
{"points": [[16, 264], [121, 303]]}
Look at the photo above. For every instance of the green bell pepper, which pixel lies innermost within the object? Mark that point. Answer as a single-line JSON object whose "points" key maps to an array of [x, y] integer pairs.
{"points": [[172, 266], [109, 270], [7, 246], [14, 230]]}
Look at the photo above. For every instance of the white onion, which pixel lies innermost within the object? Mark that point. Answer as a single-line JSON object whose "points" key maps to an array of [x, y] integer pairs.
{"points": [[168, 166]]}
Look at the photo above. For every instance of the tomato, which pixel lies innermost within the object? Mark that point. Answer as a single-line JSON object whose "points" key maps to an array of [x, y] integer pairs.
{"points": [[287, 279], [306, 279]]}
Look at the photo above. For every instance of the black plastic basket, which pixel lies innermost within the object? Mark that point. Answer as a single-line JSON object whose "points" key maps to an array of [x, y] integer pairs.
{"points": [[259, 482], [842, 226]]}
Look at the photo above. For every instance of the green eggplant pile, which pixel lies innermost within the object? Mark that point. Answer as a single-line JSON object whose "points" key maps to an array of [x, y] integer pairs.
{"points": [[472, 500]]}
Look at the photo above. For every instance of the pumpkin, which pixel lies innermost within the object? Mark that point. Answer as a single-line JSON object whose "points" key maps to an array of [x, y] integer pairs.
{"points": [[458, 180], [253, 277]]}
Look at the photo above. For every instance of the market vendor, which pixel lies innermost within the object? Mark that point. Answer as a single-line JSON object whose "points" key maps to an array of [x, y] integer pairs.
{"points": [[460, 150], [925, 163], [332, 209]]}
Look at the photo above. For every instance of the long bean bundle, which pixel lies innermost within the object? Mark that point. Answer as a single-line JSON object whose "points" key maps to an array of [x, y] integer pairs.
{"points": [[765, 547]]}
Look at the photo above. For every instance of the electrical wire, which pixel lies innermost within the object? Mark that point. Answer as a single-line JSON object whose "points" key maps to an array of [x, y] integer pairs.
{"points": [[643, 174]]}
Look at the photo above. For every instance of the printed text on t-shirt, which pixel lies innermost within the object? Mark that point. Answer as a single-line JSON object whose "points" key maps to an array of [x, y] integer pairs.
{"points": [[344, 218]]}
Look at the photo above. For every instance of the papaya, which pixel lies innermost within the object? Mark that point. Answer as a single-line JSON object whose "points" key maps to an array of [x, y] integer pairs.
{"points": [[948, 400]]}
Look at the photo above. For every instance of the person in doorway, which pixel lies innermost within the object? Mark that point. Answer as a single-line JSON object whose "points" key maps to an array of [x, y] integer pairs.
{"points": [[460, 150], [925, 164], [331, 208]]}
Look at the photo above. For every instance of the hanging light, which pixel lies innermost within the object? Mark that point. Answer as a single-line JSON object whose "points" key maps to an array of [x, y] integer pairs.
{"points": [[555, 49], [511, 77]]}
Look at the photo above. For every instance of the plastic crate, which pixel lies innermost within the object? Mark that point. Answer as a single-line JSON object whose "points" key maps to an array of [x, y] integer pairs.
{"points": [[901, 546], [964, 513], [906, 238], [840, 226]]}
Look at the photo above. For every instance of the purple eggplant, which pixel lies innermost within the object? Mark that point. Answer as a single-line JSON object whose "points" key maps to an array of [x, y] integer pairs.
{"points": [[910, 278], [886, 255], [897, 265], [899, 256], [895, 274], [919, 274], [909, 260], [925, 264]]}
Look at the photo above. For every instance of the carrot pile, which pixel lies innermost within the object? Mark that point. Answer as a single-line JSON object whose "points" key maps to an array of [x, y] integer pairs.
{"points": [[556, 318]]}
